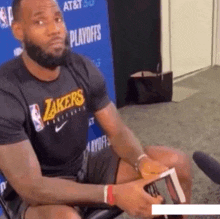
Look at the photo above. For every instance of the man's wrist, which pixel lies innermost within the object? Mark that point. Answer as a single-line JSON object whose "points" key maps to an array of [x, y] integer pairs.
{"points": [[109, 195], [106, 194], [139, 159]]}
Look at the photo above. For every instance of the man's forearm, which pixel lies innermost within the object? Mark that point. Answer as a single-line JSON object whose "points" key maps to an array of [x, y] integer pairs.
{"points": [[48, 190], [126, 145]]}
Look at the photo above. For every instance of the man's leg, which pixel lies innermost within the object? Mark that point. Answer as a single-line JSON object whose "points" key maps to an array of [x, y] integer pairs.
{"points": [[168, 157], [51, 212]]}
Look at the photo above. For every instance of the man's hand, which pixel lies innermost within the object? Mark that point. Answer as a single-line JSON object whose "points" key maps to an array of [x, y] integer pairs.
{"points": [[133, 199], [147, 167]]}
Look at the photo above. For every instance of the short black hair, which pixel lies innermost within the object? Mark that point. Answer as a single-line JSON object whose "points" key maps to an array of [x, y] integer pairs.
{"points": [[16, 9]]}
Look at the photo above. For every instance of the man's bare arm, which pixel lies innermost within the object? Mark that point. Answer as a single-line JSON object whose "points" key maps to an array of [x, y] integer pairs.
{"points": [[122, 139], [20, 166]]}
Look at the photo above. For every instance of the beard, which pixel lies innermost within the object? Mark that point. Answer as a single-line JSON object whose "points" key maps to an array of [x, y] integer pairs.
{"points": [[46, 60]]}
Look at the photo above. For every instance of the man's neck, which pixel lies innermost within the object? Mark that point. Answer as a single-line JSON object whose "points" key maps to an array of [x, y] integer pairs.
{"points": [[39, 71]]}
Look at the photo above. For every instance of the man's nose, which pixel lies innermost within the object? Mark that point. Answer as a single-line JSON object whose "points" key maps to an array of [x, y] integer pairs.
{"points": [[53, 28]]}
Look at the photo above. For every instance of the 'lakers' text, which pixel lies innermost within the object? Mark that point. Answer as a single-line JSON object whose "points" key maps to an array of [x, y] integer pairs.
{"points": [[71, 100]]}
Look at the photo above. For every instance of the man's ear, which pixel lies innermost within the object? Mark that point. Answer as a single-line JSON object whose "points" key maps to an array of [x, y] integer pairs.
{"points": [[17, 31]]}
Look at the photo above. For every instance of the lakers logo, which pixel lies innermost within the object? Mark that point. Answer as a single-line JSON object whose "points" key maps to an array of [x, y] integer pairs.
{"points": [[55, 106]]}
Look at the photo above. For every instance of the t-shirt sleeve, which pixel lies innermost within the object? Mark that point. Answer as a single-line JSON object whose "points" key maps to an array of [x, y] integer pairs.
{"points": [[12, 118], [98, 92]]}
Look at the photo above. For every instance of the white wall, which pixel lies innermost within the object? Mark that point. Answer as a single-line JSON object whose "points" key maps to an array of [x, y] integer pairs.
{"points": [[217, 36], [189, 42]]}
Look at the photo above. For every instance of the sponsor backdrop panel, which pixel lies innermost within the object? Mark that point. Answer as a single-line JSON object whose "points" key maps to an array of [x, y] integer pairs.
{"points": [[89, 34]]}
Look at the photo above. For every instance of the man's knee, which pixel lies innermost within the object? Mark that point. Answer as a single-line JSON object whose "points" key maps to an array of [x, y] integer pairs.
{"points": [[52, 212], [182, 164], [171, 158], [66, 212]]}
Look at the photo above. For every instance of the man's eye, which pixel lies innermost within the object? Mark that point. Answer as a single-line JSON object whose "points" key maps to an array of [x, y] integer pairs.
{"points": [[40, 22], [59, 19]]}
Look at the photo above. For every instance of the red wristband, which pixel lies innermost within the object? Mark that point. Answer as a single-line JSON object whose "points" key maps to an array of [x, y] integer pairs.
{"points": [[111, 198]]}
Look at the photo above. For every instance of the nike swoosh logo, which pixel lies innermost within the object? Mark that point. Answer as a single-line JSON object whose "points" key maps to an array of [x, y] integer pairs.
{"points": [[57, 129]]}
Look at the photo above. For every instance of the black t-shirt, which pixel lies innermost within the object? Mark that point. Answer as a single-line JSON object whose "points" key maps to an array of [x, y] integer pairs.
{"points": [[52, 115]]}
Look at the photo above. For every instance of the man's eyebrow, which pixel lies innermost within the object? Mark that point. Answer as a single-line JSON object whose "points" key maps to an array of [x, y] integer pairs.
{"points": [[38, 13], [58, 13]]}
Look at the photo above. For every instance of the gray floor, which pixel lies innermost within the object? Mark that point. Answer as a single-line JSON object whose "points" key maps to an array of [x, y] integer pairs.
{"points": [[190, 125]]}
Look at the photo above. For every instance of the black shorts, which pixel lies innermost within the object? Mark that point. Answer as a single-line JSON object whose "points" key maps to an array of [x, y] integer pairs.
{"points": [[99, 167]]}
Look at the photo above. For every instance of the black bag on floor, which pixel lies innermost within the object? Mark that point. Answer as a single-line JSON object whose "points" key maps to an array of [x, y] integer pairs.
{"points": [[150, 89]]}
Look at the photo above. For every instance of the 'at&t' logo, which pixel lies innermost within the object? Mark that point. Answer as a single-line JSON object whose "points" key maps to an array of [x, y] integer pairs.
{"points": [[6, 17], [77, 4]]}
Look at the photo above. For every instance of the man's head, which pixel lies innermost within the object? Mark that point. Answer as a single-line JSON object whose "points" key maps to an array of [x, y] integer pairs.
{"points": [[39, 25]]}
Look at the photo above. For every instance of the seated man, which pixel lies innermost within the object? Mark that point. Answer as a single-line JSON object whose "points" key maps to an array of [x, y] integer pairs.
{"points": [[46, 95]]}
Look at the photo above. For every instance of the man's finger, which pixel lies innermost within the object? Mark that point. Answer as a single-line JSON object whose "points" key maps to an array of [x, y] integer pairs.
{"points": [[151, 178], [153, 200], [146, 209]]}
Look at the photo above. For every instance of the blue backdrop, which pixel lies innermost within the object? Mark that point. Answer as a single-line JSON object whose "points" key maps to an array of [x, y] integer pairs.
{"points": [[88, 27]]}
